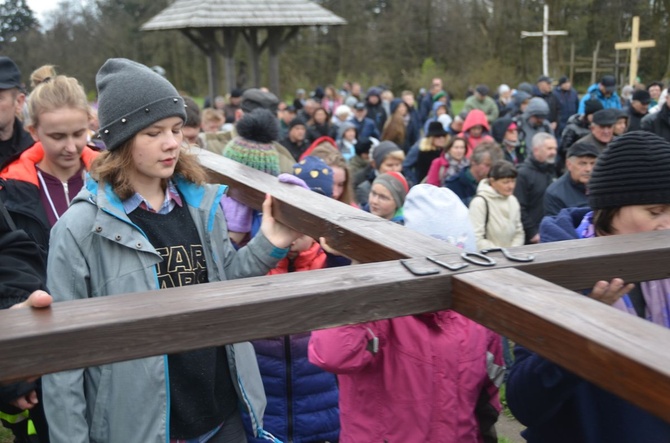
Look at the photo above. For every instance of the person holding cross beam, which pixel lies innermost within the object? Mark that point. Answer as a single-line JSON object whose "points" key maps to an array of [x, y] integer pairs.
{"points": [[147, 220], [22, 285], [629, 192]]}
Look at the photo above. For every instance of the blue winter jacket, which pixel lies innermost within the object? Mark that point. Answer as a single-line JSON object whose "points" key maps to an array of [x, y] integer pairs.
{"points": [[365, 128], [296, 389], [613, 101], [558, 406], [463, 185], [569, 101]]}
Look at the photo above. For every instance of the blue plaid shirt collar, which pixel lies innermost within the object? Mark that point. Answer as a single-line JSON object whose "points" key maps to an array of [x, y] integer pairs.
{"points": [[172, 199]]}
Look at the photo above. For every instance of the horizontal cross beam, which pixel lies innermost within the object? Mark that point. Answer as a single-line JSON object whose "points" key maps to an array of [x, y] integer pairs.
{"points": [[635, 45], [355, 233], [599, 343], [130, 326], [95, 331]]}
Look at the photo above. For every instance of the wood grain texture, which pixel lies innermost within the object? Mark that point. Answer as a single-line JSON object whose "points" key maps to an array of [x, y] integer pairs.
{"points": [[135, 325], [617, 351], [578, 264], [355, 233], [94, 331]]}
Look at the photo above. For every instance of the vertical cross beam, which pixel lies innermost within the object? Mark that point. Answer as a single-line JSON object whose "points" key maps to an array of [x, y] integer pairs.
{"points": [[545, 34], [634, 45]]}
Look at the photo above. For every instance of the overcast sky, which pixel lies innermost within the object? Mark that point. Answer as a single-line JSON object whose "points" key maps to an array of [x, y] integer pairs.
{"points": [[40, 7]]}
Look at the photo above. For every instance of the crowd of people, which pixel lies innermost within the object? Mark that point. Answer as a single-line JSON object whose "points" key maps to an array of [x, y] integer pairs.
{"points": [[104, 200]]}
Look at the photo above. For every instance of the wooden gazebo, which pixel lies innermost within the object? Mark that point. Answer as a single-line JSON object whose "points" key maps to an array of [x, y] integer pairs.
{"points": [[201, 21]]}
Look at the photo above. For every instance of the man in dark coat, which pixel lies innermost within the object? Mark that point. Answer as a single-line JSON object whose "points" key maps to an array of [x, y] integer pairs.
{"points": [[659, 123], [13, 138], [577, 127], [569, 191], [296, 140], [638, 109], [376, 112], [426, 103], [535, 175], [365, 127], [543, 90], [602, 128], [568, 101]]}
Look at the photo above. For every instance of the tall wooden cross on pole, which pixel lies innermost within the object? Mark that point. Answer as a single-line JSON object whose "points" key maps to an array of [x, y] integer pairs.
{"points": [[634, 45], [533, 303], [545, 34]]}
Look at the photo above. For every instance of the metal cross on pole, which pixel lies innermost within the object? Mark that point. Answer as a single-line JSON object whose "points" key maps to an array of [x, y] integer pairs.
{"points": [[634, 45], [545, 34]]}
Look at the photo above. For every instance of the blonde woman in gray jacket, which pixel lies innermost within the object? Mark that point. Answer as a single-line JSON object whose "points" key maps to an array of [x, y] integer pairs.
{"points": [[495, 212], [147, 220]]}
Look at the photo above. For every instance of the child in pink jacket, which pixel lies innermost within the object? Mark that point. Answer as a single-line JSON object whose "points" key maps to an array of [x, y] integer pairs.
{"points": [[421, 378]]}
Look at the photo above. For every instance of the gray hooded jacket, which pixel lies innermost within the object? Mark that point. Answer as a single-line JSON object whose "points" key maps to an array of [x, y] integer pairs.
{"points": [[97, 251], [536, 107]]}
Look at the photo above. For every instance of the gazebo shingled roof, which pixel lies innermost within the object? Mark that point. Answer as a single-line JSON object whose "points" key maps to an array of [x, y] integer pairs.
{"points": [[199, 20], [241, 13]]}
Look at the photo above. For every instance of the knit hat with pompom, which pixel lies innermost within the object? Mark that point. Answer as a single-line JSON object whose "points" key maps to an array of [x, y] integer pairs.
{"points": [[253, 146]]}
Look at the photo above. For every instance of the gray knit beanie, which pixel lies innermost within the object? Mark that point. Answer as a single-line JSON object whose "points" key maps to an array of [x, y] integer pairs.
{"points": [[132, 97], [396, 184], [382, 150], [633, 170]]}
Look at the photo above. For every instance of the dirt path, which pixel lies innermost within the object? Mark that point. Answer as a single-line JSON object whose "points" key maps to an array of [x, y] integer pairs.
{"points": [[509, 428]]}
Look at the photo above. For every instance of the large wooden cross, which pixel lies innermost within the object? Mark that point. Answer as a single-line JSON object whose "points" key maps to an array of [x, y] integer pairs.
{"points": [[532, 303], [545, 34], [634, 46]]}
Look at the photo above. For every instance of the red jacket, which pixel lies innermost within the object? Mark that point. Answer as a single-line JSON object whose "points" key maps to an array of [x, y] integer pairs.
{"points": [[474, 118], [23, 168], [313, 258]]}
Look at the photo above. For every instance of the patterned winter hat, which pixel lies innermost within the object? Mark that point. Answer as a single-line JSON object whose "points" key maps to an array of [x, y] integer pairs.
{"points": [[316, 174], [253, 146]]}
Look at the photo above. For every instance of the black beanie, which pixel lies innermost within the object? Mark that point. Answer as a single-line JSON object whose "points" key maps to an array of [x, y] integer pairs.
{"points": [[633, 170], [132, 97]]}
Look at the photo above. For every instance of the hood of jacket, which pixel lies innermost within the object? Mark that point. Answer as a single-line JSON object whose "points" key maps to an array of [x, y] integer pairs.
{"points": [[344, 127], [485, 189], [476, 117], [562, 226], [437, 105], [536, 107], [499, 128], [424, 210]]}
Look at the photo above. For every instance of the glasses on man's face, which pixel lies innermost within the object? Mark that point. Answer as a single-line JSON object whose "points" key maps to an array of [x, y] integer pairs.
{"points": [[381, 197]]}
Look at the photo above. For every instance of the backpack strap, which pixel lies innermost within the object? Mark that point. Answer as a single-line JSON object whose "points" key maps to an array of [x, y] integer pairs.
{"points": [[6, 218], [486, 219]]}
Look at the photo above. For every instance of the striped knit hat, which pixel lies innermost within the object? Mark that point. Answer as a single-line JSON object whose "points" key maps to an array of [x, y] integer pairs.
{"points": [[253, 145], [633, 170], [396, 184]]}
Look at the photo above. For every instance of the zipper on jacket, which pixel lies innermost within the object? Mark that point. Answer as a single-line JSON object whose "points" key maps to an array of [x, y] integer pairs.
{"points": [[289, 389], [66, 189]]}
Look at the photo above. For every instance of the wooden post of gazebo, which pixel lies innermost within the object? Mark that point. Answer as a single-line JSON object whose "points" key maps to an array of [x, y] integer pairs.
{"points": [[200, 21]]}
